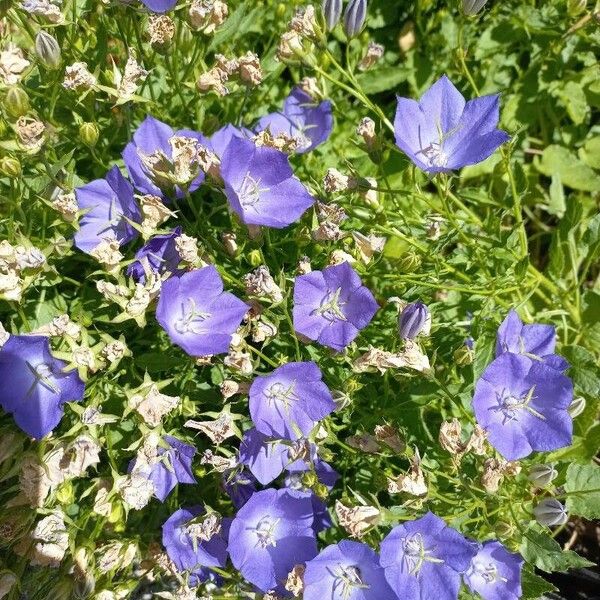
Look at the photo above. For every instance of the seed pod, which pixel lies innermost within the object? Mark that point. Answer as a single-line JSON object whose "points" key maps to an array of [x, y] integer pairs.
{"points": [[48, 50], [89, 134], [550, 512], [16, 102], [542, 475], [10, 167], [577, 407], [332, 11], [354, 17], [472, 7], [412, 320]]}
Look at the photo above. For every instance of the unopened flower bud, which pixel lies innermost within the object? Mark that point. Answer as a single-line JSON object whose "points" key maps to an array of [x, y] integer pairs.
{"points": [[550, 512], [576, 7], [10, 167], [464, 355], [413, 320], [409, 262], [332, 11], [577, 406], [354, 17], [89, 134], [472, 7], [48, 50], [16, 102], [407, 37], [542, 475]]}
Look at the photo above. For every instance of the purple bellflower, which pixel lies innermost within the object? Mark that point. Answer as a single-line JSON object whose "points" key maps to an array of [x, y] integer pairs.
{"points": [[290, 401], [193, 539], [158, 255], [220, 139], [271, 534], [522, 404], [441, 132], [346, 571], [260, 185], [35, 386], [265, 458], [412, 320], [172, 465], [163, 162], [109, 205], [535, 341], [239, 484], [331, 306], [159, 6], [308, 122], [495, 573], [197, 314], [423, 559]]}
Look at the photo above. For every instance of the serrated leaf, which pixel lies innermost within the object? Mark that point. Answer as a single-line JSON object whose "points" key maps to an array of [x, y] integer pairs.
{"points": [[534, 586], [583, 489], [546, 554], [573, 173]]}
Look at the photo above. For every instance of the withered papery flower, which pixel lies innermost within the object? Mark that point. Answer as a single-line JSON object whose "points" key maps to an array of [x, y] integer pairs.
{"points": [[12, 64], [207, 15], [357, 520], [78, 77]]}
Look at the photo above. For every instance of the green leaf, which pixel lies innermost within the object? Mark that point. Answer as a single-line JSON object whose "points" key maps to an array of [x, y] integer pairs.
{"points": [[545, 553], [583, 487], [380, 80], [590, 153], [533, 585], [484, 354], [557, 205], [573, 173], [573, 97]]}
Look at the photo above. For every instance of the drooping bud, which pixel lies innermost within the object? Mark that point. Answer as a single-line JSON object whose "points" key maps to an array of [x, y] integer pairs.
{"points": [[16, 102], [89, 134], [48, 50], [332, 11], [577, 407], [413, 320], [354, 17], [472, 7], [550, 512], [542, 475]]}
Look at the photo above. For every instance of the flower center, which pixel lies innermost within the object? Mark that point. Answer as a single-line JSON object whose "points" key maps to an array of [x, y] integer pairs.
{"points": [[191, 320], [250, 191], [42, 374], [415, 553], [488, 572], [435, 155], [278, 392], [331, 307], [510, 405], [347, 578], [265, 532]]}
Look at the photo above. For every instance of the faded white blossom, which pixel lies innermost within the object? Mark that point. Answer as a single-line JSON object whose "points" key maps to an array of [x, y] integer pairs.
{"points": [[262, 330], [161, 29], [30, 132], [284, 142], [12, 64], [107, 253], [357, 520], [133, 75], [187, 248], [239, 361], [154, 213], [413, 482], [78, 77], [4, 335], [388, 435], [334, 181], [60, 326], [229, 242], [290, 46], [261, 283], [113, 351], [153, 405], [207, 15], [65, 203], [310, 86], [304, 22], [337, 257], [250, 71], [115, 556], [493, 473], [373, 55], [218, 430], [218, 462], [368, 245], [135, 489], [51, 541], [295, 581]]}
